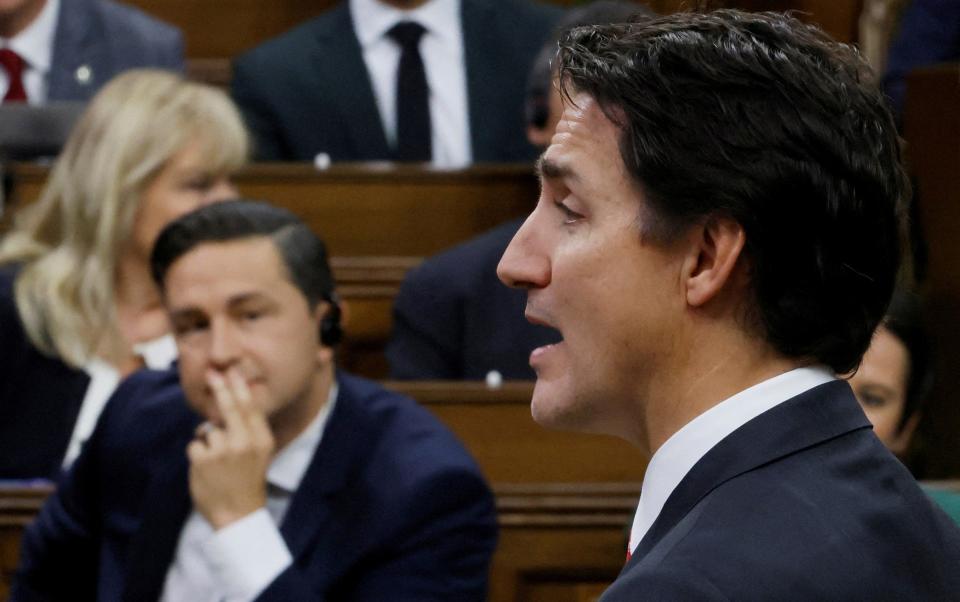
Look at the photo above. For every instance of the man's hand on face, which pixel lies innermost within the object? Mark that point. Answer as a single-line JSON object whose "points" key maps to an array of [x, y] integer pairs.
{"points": [[228, 464]]}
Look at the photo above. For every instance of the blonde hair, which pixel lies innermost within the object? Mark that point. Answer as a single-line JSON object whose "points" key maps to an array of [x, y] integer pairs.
{"points": [[69, 241]]}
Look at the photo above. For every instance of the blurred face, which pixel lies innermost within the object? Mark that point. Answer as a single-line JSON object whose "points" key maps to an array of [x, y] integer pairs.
{"points": [[881, 387], [185, 183], [233, 307], [590, 275]]}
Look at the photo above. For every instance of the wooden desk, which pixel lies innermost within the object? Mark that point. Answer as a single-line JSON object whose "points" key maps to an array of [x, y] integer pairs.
{"points": [[373, 209]]}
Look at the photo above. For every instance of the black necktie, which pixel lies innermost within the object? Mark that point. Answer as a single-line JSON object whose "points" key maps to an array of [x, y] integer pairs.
{"points": [[413, 109]]}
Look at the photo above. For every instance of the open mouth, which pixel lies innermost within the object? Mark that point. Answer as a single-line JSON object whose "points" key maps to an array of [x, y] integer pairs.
{"points": [[538, 355]]}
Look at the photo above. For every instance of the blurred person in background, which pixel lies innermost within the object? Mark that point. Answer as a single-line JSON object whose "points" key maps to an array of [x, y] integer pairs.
{"points": [[68, 49], [78, 308], [894, 380], [437, 81]]}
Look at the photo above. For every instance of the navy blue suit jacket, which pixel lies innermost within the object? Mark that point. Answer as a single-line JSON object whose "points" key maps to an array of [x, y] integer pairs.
{"points": [[801, 503], [454, 319], [40, 398], [391, 507], [308, 91], [106, 38]]}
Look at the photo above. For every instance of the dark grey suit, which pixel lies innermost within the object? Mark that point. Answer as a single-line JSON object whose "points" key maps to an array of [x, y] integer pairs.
{"points": [[97, 39], [308, 91]]}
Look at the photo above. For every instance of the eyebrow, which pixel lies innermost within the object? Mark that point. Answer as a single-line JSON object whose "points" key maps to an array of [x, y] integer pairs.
{"points": [[232, 303], [552, 170]]}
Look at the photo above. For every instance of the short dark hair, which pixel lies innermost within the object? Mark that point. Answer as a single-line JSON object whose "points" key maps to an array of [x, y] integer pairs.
{"points": [[765, 120], [904, 320], [303, 253]]}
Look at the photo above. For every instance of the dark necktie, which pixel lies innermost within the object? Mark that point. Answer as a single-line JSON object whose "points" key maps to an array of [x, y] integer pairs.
{"points": [[13, 64], [413, 108]]}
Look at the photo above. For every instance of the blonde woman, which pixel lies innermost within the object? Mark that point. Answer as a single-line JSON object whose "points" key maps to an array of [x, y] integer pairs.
{"points": [[78, 310]]}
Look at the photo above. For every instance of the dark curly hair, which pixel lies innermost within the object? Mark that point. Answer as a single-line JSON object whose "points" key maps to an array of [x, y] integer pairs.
{"points": [[765, 120]]}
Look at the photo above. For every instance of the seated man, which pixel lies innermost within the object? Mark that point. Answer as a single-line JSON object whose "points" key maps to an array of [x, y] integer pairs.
{"points": [[68, 49], [404, 80], [268, 475]]}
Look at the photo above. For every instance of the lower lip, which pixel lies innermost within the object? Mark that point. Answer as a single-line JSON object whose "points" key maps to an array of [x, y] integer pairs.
{"points": [[537, 355]]}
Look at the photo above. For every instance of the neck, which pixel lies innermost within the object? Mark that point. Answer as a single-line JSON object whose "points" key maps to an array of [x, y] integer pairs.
{"points": [[20, 18], [292, 420], [717, 366], [136, 292]]}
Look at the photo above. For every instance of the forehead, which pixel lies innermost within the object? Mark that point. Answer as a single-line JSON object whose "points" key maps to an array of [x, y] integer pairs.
{"points": [[585, 138], [214, 271]]}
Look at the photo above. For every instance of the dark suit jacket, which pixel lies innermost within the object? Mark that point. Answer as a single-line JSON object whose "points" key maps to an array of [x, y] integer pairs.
{"points": [[391, 508], [107, 38], [453, 319], [801, 503], [40, 398], [308, 91]]}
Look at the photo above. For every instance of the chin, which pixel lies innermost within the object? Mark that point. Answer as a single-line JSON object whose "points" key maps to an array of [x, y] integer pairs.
{"points": [[555, 407]]}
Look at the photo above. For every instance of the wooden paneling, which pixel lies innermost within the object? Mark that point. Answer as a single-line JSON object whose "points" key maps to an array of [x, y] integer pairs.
{"points": [[932, 130], [375, 209], [511, 448]]}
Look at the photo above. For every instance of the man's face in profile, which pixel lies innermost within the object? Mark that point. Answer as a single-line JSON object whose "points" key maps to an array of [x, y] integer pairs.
{"points": [[590, 274], [233, 308]]}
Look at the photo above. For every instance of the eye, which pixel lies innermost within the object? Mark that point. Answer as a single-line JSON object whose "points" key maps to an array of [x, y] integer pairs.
{"points": [[200, 183], [182, 328], [569, 215], [872, 400], [251, 315]]}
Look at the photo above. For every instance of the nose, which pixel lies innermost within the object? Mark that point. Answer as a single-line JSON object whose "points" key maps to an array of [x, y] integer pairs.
{"points": [[224, 345], [223, 189], [525, 263]]}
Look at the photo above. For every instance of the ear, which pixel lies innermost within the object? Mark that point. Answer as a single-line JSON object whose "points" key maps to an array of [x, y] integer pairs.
{"points": [[710, 265], [901, 442]]}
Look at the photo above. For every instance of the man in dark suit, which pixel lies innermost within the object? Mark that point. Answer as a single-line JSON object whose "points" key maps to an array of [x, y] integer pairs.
{"points": [[329, 86], [717, 236], [68, 49], [268, 475]]}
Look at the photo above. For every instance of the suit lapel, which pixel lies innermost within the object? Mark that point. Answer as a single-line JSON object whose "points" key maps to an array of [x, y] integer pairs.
{"points": [[815, 416], [76, 45], [483, 62], [340, 78], [314, 503], [166, 507]]}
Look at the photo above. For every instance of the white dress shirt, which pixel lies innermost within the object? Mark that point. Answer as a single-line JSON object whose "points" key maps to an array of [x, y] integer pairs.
{"points": [[687, 446], [240, 560], [157, 354], [441, 48], [35, 46]]}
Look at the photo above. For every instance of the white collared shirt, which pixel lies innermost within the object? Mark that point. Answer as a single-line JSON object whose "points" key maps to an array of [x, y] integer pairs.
{"points": [[443, 60], [157, 354], [686, 447], [35, 46], [240, 560]]}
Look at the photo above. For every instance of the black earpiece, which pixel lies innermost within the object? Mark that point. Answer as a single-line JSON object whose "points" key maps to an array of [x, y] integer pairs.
{"points": [[330, 330]]}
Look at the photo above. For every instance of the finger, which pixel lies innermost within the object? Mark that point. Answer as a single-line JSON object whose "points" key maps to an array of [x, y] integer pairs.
{"points": [[237, 385], [234, 423], [203, 429]]}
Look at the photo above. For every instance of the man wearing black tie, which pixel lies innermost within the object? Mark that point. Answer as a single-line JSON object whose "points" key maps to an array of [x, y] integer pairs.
{"points": [[436, 81]]}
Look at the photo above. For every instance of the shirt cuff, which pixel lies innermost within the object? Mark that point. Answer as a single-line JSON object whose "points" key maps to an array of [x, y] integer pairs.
{"points": [[246, 556]]}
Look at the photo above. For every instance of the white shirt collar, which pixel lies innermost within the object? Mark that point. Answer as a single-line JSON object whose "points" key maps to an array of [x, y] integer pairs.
{"points": [[372, 19], [35, 43], [671, 463], [289, 465]]}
